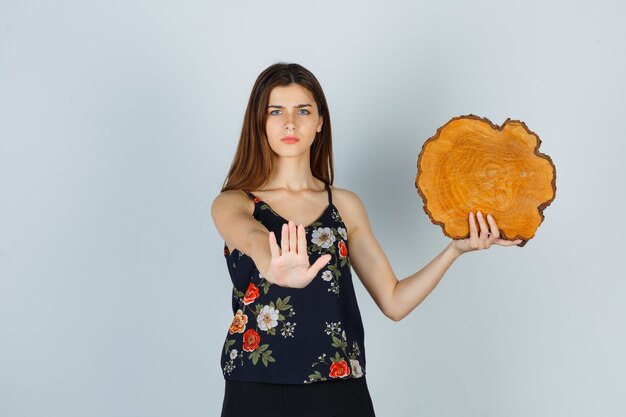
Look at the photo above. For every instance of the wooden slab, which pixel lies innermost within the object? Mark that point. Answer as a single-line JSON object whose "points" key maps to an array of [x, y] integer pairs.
{"points": [[471, 164]]}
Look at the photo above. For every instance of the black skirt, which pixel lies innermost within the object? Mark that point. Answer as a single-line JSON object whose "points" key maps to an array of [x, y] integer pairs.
{"points": [[336, 398]]}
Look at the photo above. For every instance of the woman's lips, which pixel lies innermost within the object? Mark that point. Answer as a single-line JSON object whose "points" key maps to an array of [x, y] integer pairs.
{"points": [[290, 139]]}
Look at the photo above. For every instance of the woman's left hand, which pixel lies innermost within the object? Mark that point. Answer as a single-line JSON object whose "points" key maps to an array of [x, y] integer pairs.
{"points": [[487, 237]]}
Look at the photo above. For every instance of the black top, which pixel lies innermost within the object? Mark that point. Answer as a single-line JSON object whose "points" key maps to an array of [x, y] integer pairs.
{"points": [[295, 335]]}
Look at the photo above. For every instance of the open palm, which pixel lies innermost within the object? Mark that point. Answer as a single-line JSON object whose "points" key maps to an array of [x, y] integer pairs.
{"points": [[290, 262]]}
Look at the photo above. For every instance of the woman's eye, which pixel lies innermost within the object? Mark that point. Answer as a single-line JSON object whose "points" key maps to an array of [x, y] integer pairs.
{"points": [[272, 112], [307, 112]]}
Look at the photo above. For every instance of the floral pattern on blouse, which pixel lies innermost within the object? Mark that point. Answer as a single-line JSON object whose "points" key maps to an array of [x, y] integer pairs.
{"points": [[266, 320], [337, 366], [334, 241], [260, 318]]}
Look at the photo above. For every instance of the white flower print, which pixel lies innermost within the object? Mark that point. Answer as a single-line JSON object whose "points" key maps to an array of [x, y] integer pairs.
{"points": [[334, 288], [327, 275], [332, 327], [233, 353], [323, 237], [267, 318], [342, 232], [356, 368], [228, 367], [288, 329]]}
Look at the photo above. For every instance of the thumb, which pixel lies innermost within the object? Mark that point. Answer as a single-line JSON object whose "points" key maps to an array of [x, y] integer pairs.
{"points": [[320, 263]]}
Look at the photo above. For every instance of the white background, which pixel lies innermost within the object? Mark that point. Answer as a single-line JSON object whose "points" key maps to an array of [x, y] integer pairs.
{"points": [[119, 120]]}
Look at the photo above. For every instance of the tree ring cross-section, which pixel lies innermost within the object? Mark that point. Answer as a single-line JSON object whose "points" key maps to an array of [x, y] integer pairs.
{"points": [[470, 164]]}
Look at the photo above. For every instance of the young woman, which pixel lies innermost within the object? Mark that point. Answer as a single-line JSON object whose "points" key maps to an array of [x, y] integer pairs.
{"points": [[295, 346]]}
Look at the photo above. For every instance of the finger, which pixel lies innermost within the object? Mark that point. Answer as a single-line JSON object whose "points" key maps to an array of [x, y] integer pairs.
{"points": [[483, 226], [274, 250], [284, 239], [495, 232], [293, 237], [301, 239], [320, 263], [505, 242], [473, 230]]}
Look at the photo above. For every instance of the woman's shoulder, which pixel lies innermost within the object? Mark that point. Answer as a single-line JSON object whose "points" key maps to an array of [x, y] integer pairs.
{"points": [[350, 206], [232, 200], [345, 196]]}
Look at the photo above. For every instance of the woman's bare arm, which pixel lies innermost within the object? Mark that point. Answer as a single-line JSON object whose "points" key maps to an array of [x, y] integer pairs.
{"points": [[397, 298], [231, 212], [286, 265]]}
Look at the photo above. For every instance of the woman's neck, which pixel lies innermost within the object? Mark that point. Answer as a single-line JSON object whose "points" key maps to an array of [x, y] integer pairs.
{"points": [[293, 174]]}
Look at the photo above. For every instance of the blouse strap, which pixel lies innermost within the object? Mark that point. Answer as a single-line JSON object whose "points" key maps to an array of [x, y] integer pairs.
{"points": [[252, 196]]}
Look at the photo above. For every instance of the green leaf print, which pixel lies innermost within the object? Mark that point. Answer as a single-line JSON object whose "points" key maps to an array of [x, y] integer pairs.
{"points": [[317, 376], [261, 352], [227, 345], [283, 304], [266, 286], [339, 343]]}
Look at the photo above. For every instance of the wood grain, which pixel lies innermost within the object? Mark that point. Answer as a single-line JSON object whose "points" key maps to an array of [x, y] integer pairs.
{"points": [[470, 164]]}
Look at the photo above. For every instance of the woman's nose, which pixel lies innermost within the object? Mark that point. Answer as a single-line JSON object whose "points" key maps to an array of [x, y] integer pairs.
{"points": [[289, 122]]}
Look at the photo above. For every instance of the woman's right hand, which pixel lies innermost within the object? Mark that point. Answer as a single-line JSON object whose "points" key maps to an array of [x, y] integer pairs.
{"points": [[289, 265]]}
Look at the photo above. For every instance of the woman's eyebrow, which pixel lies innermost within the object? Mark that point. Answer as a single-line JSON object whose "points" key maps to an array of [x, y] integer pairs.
{"points": [[299, 106]]}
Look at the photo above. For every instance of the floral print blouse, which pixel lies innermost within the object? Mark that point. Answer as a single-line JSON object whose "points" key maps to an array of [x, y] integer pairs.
{"points": [[295, 335]]}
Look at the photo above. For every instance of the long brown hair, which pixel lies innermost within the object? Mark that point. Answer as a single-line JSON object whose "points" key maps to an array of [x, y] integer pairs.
{"points": [[252, 163]]}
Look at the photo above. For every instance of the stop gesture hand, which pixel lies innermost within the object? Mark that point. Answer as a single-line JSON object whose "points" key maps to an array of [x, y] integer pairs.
{"points": [[290, 263]]}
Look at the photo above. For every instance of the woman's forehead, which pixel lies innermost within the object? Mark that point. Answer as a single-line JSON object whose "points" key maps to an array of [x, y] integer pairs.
{"points": [[291, 93]]}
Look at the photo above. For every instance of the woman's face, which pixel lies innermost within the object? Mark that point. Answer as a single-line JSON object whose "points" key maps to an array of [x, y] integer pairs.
{"points": [[292, 111]]}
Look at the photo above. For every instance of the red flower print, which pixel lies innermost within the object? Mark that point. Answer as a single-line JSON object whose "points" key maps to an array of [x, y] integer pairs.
{"points": [[338, 369], [343, 249], [251, 340], [239, 323], [256, 199], [251, 294]]}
